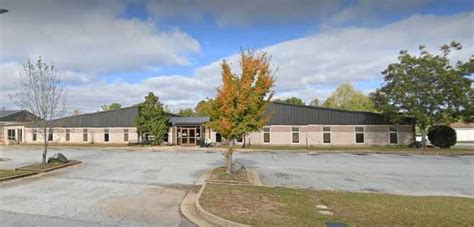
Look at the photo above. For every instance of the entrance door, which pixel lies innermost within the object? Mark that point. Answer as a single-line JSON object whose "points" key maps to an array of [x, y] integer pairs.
{"points": [[188, 136]]}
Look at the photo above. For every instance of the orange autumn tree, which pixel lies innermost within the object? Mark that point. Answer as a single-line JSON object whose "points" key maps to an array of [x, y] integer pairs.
{"points": [[242, 100]]}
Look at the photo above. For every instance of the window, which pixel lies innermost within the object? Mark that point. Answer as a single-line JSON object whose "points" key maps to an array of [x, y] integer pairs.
{"points": [[359, 134], [11, 134], [125, 135], [240, 140], [106, 135], [34, 134], [218, 138], [393, 135], [326, 134], [266, 135], [50, 135], [295, 134], [68, 134], [20, 135], [84, 134]]}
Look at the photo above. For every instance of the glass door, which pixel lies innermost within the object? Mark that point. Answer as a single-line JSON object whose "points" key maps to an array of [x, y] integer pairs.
{"points": [[184, 136], [192, 136]]}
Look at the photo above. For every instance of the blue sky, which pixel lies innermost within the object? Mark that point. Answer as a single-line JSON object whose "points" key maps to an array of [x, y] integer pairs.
{"points": [[117, 51]]}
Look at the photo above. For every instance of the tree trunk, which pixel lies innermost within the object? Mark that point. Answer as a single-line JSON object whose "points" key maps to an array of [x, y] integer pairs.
{"points": [[423, 137], [45, 151], [228, 156]]}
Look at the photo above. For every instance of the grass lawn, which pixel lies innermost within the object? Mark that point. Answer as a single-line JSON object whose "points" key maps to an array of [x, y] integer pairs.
{"points": [[362, 149], [7, 173], [220, 174], [265, 206]]}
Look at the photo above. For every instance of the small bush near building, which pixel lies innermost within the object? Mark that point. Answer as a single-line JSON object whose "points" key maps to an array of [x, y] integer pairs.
{"points": [[442, 136]]}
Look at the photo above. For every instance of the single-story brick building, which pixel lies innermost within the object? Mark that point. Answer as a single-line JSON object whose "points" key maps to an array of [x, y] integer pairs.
{"points": [[288, 125]]}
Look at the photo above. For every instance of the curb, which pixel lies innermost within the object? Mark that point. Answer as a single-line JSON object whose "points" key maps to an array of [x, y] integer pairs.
{"points": [[18, 176], [192, 210], [71, 163], [253, 177], [211, 218], [36, 174]]}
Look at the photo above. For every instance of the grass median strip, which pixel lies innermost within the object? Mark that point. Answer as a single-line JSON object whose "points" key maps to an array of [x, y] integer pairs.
{"points": [[6, 174], [266, 206], [46, 167]]}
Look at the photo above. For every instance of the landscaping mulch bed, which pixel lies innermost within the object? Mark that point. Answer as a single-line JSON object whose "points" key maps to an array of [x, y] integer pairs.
{"points": [[279, 206], [219, 174], [8, 174], [46, 167]]}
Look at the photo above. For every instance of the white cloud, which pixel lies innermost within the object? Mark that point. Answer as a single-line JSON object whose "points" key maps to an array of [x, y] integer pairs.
{"points": [[357, 53], [89, 36], [308, 67]]}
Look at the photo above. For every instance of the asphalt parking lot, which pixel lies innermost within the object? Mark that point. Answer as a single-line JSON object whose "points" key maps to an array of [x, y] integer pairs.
{"points": [[141, 188]]}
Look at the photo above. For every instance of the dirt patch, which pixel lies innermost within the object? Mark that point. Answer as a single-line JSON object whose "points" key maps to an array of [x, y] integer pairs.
{"points": [[220, 174], [154, 205]]}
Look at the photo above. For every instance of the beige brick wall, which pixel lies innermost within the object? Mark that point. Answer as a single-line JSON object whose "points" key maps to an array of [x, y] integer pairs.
{"points": [[94, 135], [340, 135]]}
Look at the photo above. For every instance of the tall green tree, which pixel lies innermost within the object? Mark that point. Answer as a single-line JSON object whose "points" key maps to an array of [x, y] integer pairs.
{"points": [[346, 97], [241, 101], [151, 118], [291, 100], [204, 108], [314, 102], [427, 87], [113, 106], [186, 112]]}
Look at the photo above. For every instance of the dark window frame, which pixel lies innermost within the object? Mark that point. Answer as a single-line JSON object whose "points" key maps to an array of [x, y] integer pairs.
{"points": [[68, 134], [295, 134], [34, 135], [11, 134], [218, 138], [267, 135], [85, 135], [106, 135], [393, 132], [327, 131], [50, 135], [125, 134], [358, 132]]}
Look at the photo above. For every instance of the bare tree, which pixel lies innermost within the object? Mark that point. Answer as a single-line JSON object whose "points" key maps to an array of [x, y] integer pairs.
{"points": [[41, 92]]}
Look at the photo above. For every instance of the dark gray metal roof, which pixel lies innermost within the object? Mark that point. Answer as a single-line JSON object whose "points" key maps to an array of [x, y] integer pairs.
{"points": [[16, 115], [188, 120], [123, 117], [4, 113], [289, 114]]}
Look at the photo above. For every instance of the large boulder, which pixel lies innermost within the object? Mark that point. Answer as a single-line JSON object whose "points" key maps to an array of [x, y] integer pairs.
{"points": [[58, 158]]}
